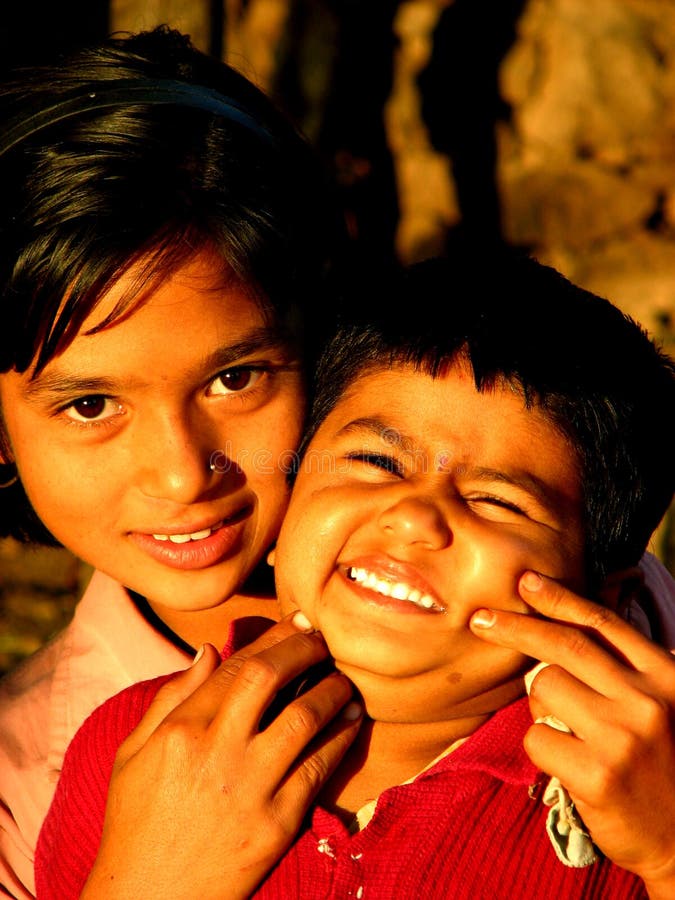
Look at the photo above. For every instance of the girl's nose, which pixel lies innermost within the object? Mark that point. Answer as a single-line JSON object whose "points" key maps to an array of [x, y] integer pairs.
{"points": [[178, 463], [417, 520]]}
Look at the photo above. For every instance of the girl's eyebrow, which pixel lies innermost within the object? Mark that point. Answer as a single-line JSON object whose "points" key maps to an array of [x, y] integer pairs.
{"points": [[52, 383]]}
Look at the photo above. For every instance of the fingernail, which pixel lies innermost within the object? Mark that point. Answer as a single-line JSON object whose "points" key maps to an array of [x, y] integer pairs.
{"points": [[483, 618], [531, 581], [301, 622], [198, 655], [529, 677], [352, 711]]}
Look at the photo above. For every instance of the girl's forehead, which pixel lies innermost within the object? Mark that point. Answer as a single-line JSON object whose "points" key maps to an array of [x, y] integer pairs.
{"points": [[150, 279], [185, 326]]}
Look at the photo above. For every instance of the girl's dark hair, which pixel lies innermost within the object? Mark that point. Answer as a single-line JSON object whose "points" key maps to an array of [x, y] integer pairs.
{"points": [[88, 195], [588, 367]]}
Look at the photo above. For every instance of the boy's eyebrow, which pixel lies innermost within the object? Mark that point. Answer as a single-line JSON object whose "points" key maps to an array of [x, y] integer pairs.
{"points": [[525, 481], [379, 428], [386, 432], [55, 383]]}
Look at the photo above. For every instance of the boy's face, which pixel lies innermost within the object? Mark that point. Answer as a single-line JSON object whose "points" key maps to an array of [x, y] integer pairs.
{"points": [[113, 439], [418, 502]]}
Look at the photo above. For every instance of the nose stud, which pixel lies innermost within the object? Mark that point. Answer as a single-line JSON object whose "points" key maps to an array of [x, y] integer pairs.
{"points": [[218, 461]]}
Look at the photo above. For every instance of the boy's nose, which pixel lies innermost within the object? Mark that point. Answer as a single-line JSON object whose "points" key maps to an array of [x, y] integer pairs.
{"points": [[417, 520]]}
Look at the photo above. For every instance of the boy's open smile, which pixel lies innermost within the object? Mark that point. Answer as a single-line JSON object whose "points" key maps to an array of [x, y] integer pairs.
{"points": [[393, 585]]}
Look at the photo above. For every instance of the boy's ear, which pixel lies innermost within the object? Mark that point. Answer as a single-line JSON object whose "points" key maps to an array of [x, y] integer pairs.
{"points": [[271, 556], [621, 588]]}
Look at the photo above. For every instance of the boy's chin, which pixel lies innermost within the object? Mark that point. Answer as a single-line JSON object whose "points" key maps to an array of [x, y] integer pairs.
{"points": [[424, 698]]}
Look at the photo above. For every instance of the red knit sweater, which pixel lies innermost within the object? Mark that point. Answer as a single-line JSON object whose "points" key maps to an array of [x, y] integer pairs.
{"points": [[466, 829]]}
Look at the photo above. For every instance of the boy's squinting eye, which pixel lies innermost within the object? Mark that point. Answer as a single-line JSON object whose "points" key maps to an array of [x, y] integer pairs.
{"points": [[378, 461], [96, 407], [235, 380], [488, 500]]}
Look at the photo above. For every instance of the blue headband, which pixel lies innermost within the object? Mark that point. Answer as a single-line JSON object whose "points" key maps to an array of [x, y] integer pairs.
{"points": [[125, 92]]}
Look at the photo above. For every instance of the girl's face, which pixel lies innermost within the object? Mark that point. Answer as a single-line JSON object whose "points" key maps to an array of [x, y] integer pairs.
{"points": [[156, 450]]}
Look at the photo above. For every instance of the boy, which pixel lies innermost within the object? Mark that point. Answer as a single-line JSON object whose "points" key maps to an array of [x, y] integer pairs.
{"points": [[441, 464]]}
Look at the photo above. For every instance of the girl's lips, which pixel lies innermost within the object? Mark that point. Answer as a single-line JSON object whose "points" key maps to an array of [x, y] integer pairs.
{"points": [[195, 550], [185, 537]]}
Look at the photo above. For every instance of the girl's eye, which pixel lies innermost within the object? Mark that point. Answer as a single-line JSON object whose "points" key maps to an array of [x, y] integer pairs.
{"points": [[94, 408], [233, 381], [379, 461]]}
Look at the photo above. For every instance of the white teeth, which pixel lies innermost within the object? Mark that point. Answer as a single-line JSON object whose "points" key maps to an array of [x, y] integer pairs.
{"points": [[398, 590], [199, 535], [184, 538]]}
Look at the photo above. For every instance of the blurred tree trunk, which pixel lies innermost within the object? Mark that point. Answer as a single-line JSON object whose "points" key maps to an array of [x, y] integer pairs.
{"points": [[190, 16]]}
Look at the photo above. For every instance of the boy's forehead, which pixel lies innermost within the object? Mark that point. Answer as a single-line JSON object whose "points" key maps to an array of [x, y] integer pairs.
{"points": [[392, 386], [404, 391], [446, 420]]}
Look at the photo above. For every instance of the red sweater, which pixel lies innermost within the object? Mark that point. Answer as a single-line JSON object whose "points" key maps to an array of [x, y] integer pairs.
{"points": [[466, 829]]}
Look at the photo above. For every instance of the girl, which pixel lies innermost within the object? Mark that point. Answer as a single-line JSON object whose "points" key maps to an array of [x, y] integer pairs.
{"points": [[165, 238]]}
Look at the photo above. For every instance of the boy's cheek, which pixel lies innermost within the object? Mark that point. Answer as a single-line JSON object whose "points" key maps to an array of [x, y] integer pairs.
{"points": [[495, 570], [292, 592]]}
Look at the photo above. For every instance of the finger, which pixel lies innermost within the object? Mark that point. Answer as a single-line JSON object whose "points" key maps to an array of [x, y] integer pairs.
{"points": [[538, 707], [592, 651], [293, 730], [170, 696], [559, 754], [595, 780], [253, 682], [197, 692], [202, 697], [554, 601], [554, 692], [317, 765], [552, 643], [273, 634]]}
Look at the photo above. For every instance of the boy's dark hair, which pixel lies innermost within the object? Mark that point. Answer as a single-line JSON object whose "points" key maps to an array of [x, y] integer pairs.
{"points": [[87, 195], [591, 369]]}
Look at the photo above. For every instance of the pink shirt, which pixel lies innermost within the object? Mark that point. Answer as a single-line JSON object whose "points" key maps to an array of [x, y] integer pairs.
{"points": [[107, 646]]}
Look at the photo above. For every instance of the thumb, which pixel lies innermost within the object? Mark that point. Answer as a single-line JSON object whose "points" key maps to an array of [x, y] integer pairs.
{"points": [[168, 698], [536, 707]]}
